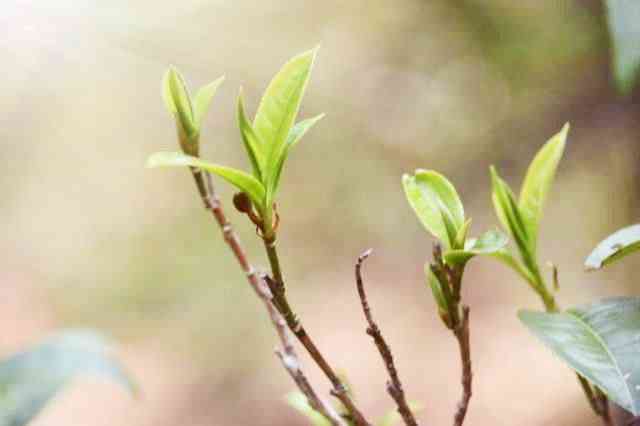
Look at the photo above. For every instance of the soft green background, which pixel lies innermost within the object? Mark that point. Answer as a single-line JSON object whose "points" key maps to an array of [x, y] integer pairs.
{"points": [[92, 238]]}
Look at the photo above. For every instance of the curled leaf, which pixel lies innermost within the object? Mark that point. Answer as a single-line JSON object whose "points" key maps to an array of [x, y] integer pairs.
{"points": [[509, 214], [252, 143], [438, 294], [616, 246]]}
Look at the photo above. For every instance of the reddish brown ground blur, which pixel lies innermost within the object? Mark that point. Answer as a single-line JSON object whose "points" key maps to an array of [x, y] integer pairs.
{"points": [[92, 238]]}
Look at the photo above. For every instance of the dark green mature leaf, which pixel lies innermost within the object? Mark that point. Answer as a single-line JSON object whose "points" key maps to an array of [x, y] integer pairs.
{"points": [[624, 26], [241, 180], [277, 113], [537, 182], [253, 145], [202, 100], [616, 246], [30, 379], [489, 243], [600, 342], [298, 401], [436, 203]]}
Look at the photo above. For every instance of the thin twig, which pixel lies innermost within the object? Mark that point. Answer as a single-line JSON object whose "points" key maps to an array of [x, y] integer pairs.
{"points": [[394, 386], [462, 335], [287, 354], [277, 287]]}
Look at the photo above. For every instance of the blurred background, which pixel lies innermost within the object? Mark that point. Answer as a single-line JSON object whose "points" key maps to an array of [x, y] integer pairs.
{"points": [[91, 238]]}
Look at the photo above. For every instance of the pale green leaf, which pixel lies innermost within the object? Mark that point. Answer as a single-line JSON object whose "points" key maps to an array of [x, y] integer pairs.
{"points": [[600, 342], [298, 401], [624, 27], [537, 183], [176, 96], [295, 135], [489, 243], [202, 100], [30, 379], [509, 214], [435, 200], [252, 143], [507, 258], [461, 236], [278, 110], [616, 246], [392, 418], [300, 129], [241, 180], [436, 289]]}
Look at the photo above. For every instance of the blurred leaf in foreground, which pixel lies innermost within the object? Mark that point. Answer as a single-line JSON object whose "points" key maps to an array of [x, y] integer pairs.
{"points": [[616, 246], [30, 379], [624, 27]]}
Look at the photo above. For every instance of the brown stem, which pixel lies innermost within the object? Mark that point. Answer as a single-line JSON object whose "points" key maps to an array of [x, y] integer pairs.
{"points": [[461, 332], [394, 386], [282, 304], [451, 281], [287, 353]]}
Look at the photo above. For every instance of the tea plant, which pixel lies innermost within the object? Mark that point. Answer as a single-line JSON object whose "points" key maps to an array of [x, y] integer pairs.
{"points": [[597, 341]]}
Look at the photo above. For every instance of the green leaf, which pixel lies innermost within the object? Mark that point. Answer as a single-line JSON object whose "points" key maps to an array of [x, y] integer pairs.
{"points": [[436, 289], [252, 143], [278, 110], [241, 180], [301, 128], [461, 236], [598, 341], [177, 100], [436, 203], [537, 182], [298, 401], [30, 379], [393, 418], [624, 26], [295, 135], [489, 243], [202, 100], [507, 258], [509, 214], [616, 246]]}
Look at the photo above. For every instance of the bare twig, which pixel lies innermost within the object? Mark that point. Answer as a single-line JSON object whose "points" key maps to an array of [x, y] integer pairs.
{"points": [[277, 287], [461, 332], [287, 354], [394, 386]]}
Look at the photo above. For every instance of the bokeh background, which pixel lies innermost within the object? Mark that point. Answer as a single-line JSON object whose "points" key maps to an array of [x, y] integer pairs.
{"points": [[91, 238]]}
